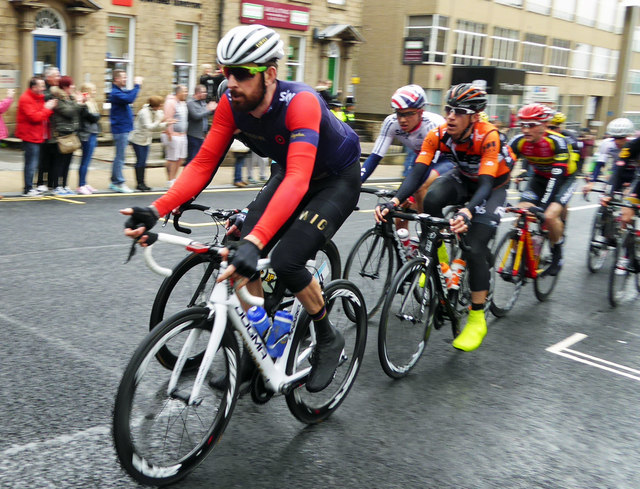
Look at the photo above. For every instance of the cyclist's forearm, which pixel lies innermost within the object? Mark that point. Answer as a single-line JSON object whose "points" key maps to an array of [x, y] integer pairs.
{"points": [[485, 185], [369, 166], [419, 173], [596, 170]]}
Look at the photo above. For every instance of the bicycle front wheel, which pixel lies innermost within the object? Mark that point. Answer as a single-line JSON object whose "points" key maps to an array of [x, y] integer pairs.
{"points": [[406, 319], [506, 285], [159, 436], [339, 295], [370, 266], [544, 283], [598, 247]]}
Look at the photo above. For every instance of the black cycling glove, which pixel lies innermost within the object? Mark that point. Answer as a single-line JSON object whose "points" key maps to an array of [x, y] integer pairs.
{"points": [[387, 205], [142, 216], [237, 220], [246, 259]]}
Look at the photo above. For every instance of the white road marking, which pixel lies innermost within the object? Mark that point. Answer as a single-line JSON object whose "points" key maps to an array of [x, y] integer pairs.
{"points": [[58, 440], [562, 349]]}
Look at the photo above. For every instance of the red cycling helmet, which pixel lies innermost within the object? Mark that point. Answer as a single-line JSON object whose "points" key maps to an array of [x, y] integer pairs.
{"points": [[536, 113]]}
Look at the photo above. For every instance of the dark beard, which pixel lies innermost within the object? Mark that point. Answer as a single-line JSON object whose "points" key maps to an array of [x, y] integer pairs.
{"points": [[249, 104]]}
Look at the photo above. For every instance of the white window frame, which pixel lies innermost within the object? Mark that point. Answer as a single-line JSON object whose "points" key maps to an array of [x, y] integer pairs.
{"points": [[539, 6], [510, 3], [507, 46], [586, 12], [469, 41], [299, 65], [526, 65], [564, 9], [431, 55], [60, 33], [566, 54], [194, 55], [600, 63], [633, 82], [581, 50], [128, 62]]}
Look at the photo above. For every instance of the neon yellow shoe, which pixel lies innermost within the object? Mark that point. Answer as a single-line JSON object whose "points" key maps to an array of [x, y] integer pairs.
{"points": [[422, 280], [443, 254], [473, 333]]}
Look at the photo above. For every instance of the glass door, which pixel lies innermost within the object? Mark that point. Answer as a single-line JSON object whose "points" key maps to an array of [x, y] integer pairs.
{"points": [[46, 52]]}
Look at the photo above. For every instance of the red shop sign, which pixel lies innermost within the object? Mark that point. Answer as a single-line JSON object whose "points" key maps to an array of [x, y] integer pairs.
{"points": [[274, 14]]}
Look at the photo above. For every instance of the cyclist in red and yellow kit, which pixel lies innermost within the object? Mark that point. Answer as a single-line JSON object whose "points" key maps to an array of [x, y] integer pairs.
{"points": [[550, 155], [478, 181]]}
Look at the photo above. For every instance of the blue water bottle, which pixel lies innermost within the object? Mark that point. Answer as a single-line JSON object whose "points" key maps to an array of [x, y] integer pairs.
{"points": [[279, 334], [259, 320]]}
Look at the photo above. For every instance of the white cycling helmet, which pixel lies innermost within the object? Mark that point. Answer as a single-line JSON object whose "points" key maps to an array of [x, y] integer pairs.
{"points": [[249, 44], [409, 97], [620, 128]]}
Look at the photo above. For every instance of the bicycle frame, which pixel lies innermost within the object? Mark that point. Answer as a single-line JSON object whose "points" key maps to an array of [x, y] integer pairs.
{"points": [[524, 246], [224, 305]]}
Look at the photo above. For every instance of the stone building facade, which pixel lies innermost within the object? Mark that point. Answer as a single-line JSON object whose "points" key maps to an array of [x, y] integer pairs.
{"points": [[167, 41]]}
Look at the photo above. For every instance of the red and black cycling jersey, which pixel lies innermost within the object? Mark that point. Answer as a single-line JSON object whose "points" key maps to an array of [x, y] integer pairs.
{"points": [[298, 131]]}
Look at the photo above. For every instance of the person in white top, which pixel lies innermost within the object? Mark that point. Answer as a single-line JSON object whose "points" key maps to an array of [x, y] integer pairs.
{"points": [[410, 124], [619, 130]]}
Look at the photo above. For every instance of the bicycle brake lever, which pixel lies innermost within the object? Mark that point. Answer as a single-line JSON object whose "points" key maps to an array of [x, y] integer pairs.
{"points": [[132, 251]]}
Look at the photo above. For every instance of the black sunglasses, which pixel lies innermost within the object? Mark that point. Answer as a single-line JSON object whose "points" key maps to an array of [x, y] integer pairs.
{"points": [[242, 73], [458, 110]]}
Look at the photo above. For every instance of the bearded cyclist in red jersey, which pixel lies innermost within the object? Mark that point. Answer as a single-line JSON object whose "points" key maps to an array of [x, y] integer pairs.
{"points": [[309, 196], [550, 155], [479, 180]]}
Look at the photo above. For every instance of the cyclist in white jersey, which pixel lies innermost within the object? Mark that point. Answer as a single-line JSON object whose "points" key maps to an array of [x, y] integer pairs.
{"points": [[409, 124], [619, 131]]}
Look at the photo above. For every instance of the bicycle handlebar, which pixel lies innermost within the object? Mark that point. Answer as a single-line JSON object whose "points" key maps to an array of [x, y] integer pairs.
{"points": [[429, 220], [378, 192], [152, 264], [219, 214]]}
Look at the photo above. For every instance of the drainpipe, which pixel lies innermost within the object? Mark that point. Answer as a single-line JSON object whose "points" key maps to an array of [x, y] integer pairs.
{"points": [[220, 18]]}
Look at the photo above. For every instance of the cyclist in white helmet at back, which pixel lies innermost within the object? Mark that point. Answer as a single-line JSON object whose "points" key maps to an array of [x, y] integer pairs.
{"points": [[618, 131], [410, 124]]}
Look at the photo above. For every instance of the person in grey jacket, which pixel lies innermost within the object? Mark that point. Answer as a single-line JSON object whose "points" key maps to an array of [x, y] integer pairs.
{"points": [[65, 120], [149, 118], [198, 125]]}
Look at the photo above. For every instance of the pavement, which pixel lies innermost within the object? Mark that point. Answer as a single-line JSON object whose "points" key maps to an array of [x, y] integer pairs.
{"points": [[99, 174]]}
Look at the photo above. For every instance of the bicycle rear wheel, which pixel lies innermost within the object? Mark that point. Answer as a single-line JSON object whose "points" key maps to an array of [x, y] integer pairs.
{"points": [[506, 286], [159, 437], [314, 407], [598, 246], [406, 318], [544, 283], [370, 266]]}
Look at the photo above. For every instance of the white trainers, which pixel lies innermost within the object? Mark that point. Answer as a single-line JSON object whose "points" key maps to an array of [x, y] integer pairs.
{"points": [[122, 188], [59, 191], [84, 190], [31, 193], [621, 266], [42, 188], [68, 191]]}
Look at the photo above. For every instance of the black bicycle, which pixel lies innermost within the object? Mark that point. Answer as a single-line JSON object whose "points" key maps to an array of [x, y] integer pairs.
{"points": [[193, 278], [419, 299], [626, 260], [604, 233]]}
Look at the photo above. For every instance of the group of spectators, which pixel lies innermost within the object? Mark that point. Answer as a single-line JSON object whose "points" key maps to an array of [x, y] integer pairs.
{"points": [[53, 108]]}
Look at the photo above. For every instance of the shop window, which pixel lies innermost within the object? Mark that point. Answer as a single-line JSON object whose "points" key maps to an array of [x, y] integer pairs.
{"points": [[120, 47], [295, 59], [433, 29], [184, 56]]}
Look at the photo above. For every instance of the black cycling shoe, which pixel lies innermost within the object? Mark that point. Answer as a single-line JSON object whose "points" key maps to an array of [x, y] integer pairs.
{"points": [[324, 362], [556, 261], [247, 369]]}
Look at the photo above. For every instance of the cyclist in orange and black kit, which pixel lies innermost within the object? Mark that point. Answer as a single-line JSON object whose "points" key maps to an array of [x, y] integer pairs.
{"points": [[479, 181], [553, 183]]}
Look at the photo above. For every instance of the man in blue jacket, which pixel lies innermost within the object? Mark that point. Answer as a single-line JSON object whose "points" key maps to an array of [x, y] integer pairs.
{"points": [[121, 124]]}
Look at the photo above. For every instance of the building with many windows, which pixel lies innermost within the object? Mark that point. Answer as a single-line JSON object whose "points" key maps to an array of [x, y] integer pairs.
{"points": [[166, 41], [581, 56]]}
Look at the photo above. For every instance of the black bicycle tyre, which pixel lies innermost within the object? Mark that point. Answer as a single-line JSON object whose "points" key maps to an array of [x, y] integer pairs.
{"points": [[168, 286], [495, 306], [404, 283], [544, 283], [374, 287], [312, 408], [136, 464], [615, 291], [597, 252]]}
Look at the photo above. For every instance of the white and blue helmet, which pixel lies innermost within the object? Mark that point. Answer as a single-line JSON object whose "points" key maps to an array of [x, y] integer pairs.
{"points": [[253, 43], [409, 97]]}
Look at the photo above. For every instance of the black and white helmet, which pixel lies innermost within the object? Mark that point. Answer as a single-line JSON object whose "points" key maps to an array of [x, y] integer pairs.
{"points": [[620, 128], [249, 44]]}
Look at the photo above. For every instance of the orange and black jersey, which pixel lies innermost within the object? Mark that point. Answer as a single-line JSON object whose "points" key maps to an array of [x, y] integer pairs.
{"points": [[551, 151], [482, 157]]}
